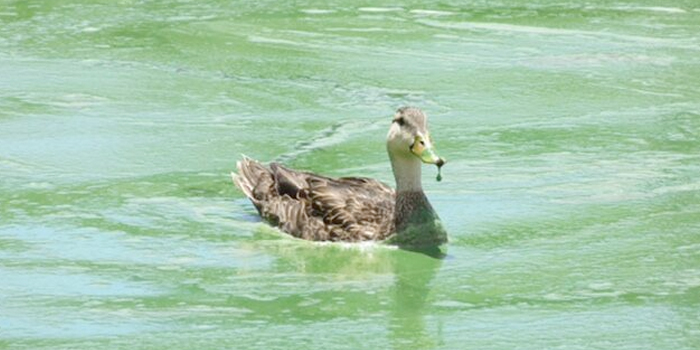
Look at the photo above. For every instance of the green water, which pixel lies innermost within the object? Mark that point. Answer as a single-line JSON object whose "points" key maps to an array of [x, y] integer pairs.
{"points": [[571, 193]]}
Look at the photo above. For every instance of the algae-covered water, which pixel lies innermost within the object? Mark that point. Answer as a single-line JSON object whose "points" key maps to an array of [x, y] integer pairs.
{"points": [[571, 193]]}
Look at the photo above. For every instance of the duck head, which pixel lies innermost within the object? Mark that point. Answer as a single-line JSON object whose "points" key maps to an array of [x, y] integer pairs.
{"points": [[409, 137]]}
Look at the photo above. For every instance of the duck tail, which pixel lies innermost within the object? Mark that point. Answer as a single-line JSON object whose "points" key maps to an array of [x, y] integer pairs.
{"points": [[250, 175]]}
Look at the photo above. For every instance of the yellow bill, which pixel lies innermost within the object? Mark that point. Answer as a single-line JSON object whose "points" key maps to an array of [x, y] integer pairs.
{"points": [[423, 149]]}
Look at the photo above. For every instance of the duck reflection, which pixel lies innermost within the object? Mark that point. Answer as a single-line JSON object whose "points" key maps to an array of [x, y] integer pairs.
{"points": [[374, 286], [414, 273]]}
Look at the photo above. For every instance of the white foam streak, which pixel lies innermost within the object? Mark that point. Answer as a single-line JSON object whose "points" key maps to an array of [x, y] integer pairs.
{"points": [[651, 9], [512, 28]]}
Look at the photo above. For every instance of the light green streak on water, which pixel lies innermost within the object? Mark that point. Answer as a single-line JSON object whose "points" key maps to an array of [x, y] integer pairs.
{"points": [[571, 195]]}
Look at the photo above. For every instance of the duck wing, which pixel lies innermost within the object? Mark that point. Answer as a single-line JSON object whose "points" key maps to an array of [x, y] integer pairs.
{"points": [[318, 208]]}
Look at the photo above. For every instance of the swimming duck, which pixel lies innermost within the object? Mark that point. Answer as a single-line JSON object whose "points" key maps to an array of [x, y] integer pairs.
{"points": [[319, 208]]}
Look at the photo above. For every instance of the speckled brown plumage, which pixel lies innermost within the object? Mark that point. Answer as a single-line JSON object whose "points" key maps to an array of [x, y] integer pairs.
{"points": [[318, 208]]}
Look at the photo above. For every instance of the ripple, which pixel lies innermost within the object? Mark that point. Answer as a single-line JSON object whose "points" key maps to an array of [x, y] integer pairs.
{"points": [[317, 11], [523, 29], [380, 9], [432, 12]]}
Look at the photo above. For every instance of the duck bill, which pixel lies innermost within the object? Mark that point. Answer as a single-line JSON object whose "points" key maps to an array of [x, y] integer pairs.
{"points": [[424, 150]]}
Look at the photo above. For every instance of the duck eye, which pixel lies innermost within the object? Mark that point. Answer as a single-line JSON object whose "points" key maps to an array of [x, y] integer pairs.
{"points": [[400, 121]]}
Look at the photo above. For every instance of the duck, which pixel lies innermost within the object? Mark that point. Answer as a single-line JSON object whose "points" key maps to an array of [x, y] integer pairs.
{"points": [[353, 209]]}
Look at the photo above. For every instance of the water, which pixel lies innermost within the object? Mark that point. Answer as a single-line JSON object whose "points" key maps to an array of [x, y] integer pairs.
{"points": [[571, 193]]}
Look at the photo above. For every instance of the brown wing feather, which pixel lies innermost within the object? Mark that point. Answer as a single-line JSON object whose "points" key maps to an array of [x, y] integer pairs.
{"points": [[353, 208], [319, 208]]}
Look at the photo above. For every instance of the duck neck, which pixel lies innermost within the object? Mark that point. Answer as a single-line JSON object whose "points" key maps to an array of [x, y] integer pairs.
{"points": [[411, 202], [415, 222], [407, 172]]}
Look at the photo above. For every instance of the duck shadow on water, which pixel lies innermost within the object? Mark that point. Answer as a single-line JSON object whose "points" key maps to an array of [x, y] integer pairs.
{"points": [[375, 285]]}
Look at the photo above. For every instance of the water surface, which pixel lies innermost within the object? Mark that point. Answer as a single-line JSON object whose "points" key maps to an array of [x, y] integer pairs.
{"points": [[572, 194]]}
